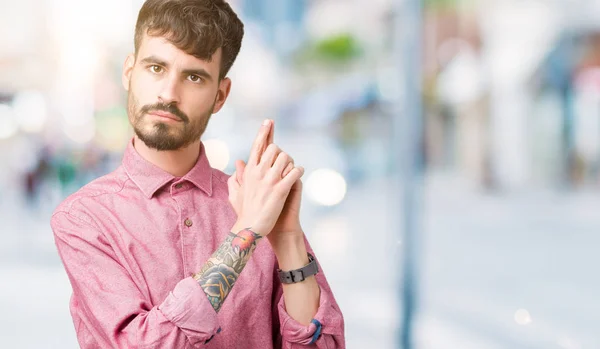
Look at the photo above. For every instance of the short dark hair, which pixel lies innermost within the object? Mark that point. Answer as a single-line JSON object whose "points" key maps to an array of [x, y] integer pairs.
{"points": [[198, 27]]}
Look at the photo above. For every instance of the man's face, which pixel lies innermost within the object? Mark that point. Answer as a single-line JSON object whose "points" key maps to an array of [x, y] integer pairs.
{"points": [[171, 94]]}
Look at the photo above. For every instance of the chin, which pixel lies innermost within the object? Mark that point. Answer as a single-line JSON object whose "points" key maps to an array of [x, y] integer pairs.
{"points": [[156, 138]]}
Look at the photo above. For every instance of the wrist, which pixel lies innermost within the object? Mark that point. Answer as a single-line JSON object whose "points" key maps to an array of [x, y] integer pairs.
{"points": [[290, 251], [237, 227], [286, 240], [240, 225]]}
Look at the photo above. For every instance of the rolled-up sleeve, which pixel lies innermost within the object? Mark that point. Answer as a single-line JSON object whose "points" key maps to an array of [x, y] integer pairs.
{"points": [[326, 330], [113, 309]]}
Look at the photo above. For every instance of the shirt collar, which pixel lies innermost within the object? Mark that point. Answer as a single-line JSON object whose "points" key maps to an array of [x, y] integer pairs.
{"points": [[150, 178]]}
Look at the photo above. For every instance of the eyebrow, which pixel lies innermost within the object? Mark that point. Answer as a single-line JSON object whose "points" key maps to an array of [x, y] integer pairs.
{"points": [[155, 60]]}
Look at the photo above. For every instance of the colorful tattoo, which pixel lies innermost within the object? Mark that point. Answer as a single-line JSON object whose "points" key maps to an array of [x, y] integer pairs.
{"points": [[220, 272]]}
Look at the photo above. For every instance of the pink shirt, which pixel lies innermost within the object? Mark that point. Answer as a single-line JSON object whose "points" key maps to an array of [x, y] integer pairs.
{"points": [[130, 242]]}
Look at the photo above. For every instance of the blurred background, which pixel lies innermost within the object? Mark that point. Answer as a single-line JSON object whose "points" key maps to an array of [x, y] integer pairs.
{"points": [[501, 203]]}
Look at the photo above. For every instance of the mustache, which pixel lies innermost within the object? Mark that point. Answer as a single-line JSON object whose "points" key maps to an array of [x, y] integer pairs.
{"points": [[167, 108]]}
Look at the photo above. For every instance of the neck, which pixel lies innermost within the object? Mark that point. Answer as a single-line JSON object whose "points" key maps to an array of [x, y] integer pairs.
{"points": [[176, 162]]}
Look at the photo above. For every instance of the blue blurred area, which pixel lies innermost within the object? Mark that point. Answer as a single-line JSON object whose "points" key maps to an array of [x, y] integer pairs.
{"points": [[511, 143]]}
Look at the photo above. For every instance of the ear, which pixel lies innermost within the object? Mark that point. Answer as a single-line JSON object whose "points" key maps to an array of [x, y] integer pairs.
{"points": [[127, 70], [222, 94]]}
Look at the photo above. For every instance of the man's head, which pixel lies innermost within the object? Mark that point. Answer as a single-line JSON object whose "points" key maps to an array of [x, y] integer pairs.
{"points": [[176, 78]]}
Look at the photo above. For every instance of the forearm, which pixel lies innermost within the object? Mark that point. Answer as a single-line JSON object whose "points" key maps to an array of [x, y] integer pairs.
{"points": [[221, 271], [301, 298]]}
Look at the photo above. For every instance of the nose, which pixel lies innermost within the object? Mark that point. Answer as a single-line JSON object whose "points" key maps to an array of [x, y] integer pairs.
{"points": [[169, 93]]}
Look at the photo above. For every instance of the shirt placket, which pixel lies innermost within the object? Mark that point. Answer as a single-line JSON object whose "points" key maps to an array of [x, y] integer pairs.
{"points": [[180, 192]]}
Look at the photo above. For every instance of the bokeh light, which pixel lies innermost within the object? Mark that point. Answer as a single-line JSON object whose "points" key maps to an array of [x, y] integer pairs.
{"points": [[8, 124], [522, 317], [326, 187], [31, 111], [217, 152]]}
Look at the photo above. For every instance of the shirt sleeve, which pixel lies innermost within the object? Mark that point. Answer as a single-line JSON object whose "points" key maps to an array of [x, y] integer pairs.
{"points": [[113, 309], [326, 330]]}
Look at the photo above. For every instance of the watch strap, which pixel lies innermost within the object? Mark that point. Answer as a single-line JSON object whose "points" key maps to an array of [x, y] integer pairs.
{"points": [[299, 275]]}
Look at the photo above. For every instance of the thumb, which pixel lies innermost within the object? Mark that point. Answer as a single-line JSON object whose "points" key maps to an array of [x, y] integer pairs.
{"points": [[240, 166], [232, 183]]}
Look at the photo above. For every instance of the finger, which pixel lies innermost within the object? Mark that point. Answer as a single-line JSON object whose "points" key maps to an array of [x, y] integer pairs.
{"points": [[271, 137], [260, 142], [240, 167], [283, 160], [294, 175], [288, 169], [269, 156], [298, 184], [296, 191]]}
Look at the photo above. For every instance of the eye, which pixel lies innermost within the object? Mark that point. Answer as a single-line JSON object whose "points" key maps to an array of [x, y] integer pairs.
{"points": [[195, 78], [156, 68]]}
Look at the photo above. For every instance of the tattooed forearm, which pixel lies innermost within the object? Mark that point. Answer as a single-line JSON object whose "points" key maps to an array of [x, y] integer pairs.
{"points": [[220, 272]]}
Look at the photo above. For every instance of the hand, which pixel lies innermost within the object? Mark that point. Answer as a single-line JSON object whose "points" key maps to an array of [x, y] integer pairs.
{"points": [[288, 223], [260, 200]]}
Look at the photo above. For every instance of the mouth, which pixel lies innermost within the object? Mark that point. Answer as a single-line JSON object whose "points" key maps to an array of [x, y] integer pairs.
{"points": [[164, 115]]}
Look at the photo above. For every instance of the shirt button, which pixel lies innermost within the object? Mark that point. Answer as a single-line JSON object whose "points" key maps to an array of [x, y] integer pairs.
{"points": [[178, 186], [188, 222]]}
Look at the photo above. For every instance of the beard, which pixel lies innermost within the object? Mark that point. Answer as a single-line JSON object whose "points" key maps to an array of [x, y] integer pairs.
{"points": [[164, 136]]}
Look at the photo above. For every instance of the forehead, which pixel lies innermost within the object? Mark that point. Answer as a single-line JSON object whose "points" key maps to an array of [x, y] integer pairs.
{"points": [[159, 46]]}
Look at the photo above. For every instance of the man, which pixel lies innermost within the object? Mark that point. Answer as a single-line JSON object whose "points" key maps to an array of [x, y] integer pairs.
{"points": [[166, 252]]}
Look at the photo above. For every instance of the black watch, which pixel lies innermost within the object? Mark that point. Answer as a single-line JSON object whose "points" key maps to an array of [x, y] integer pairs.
{"points": [[299, 275]]}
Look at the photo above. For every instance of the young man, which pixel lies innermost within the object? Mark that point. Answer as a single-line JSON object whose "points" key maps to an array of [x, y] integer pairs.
{"points": [[167, 252]]}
